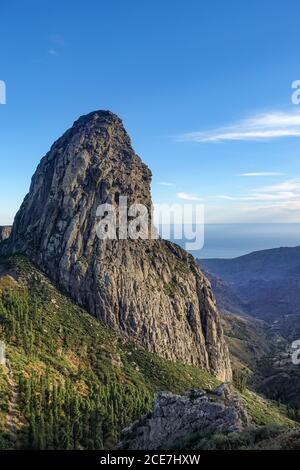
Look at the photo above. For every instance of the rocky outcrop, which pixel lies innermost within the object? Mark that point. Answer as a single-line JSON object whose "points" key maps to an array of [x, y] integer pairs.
{"points": [[177, 416], [150, 290], [4, 232]]}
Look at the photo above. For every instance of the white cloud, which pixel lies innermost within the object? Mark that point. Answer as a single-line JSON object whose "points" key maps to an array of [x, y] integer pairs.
{"points": [[189, 197], [285, 191], [289, 185], [262, 173], [279, 212], [266, 126], [165, 183], [280, 196]]}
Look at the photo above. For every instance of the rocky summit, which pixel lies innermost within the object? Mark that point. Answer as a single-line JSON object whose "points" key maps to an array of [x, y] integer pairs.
{"points": [[151, 291], [176, 416]]}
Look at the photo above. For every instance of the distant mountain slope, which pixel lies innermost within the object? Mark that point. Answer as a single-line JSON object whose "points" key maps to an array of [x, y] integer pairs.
{"points": [[258, 264], [227, 299], [267, 282], [247, 339], [264, 284]]}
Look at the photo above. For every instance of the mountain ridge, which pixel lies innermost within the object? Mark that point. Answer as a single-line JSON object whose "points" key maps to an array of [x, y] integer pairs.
{"points": [[265, 282]]}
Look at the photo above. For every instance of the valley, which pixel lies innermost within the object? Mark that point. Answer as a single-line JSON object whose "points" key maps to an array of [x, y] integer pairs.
{"points": [[255, 292]]}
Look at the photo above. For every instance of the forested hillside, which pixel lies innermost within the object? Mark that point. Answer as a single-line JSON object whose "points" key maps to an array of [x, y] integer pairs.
{"points": [[76, 384], [70, 382]]}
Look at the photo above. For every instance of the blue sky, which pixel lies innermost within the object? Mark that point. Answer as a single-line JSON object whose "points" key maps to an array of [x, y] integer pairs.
{"points": [[203, 88]]}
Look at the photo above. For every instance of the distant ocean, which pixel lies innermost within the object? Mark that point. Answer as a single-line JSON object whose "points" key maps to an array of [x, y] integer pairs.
{"points": [[232, 240]]}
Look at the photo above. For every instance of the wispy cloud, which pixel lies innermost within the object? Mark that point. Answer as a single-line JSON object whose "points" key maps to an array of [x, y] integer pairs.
{"points": [[265, 126], [283, 212], [189, 197], [165, 183], [57, 45], [53, 52], [261, 173], [288, 185], [285, 191], [280, 196]]}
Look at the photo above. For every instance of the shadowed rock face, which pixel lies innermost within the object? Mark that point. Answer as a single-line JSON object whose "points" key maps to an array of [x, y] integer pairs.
{"points": [[151, 290]]}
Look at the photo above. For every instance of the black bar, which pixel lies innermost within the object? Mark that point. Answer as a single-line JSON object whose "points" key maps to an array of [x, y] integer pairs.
{"points": [[138, 459]]}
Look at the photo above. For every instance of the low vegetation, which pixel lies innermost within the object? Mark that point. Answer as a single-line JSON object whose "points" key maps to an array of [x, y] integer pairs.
{"points": [[270, 436]]}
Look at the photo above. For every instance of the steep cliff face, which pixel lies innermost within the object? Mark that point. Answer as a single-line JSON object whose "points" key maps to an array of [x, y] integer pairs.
{"points": [[150, 290]]}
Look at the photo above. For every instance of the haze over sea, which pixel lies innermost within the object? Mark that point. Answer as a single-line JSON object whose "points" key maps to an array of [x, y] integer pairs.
{"points": [[232, 240]]}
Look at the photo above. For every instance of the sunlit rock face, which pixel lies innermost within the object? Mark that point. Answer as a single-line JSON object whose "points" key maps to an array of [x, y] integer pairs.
{"points": [[178, 416]]}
